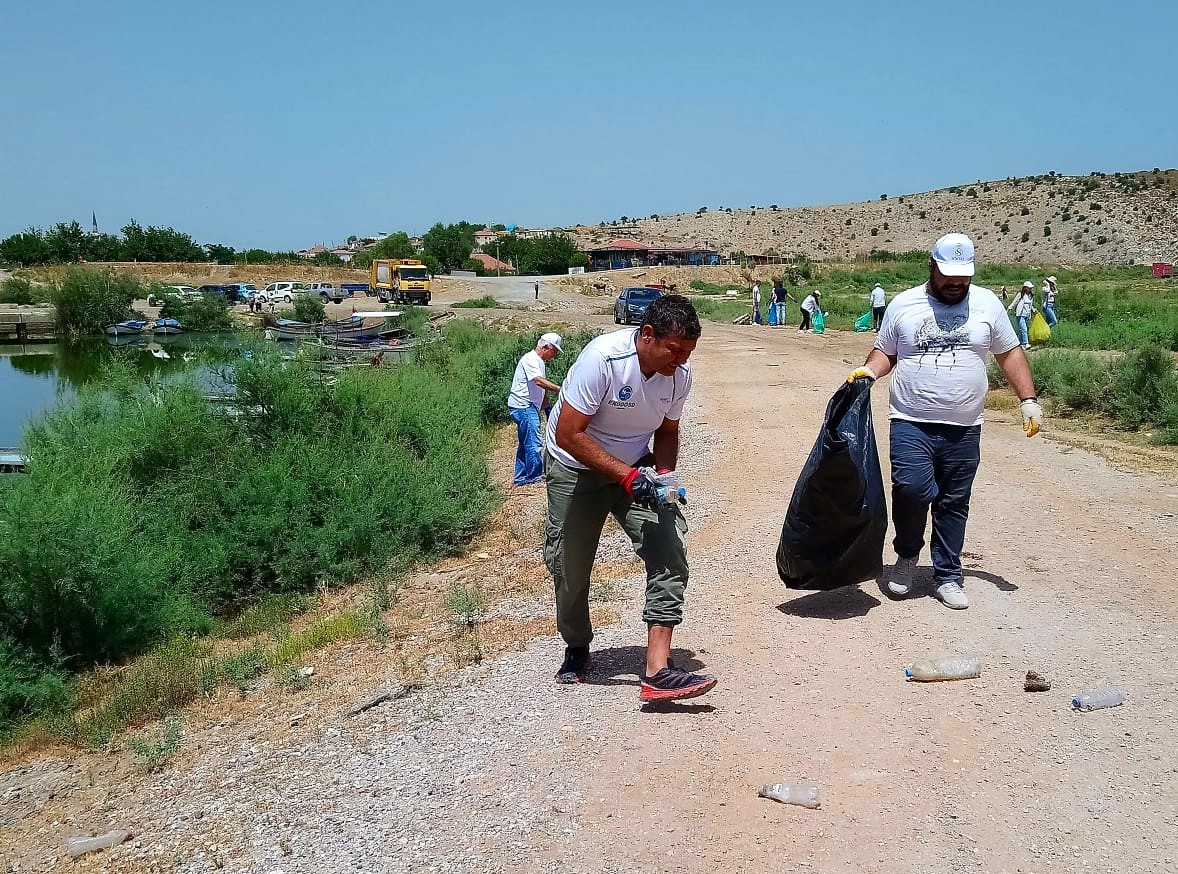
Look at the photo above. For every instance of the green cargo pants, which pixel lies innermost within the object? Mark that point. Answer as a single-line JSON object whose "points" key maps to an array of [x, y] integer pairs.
{"points": [[578, 502]]}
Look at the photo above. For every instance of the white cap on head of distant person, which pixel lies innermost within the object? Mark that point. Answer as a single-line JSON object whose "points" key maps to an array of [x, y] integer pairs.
{"points": [[550, 339], [1029, 284], [954, 255]]}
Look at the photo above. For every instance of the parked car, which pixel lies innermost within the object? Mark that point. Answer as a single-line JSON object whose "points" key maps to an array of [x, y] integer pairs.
{"points": [[179, 290], [286, 291], [213, 289], [327, 291], [240, 292], [631, 304]]}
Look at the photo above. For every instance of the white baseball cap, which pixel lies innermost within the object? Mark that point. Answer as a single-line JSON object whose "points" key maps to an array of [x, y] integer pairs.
{"points": [[954, 255], [552, 340], [1028, 284], [1051, 279]]}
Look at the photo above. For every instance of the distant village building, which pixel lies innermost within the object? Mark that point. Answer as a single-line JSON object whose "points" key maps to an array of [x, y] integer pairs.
{"points": [[624, 253], [312, 252], [417, 243], [493, 264], [486, 235], [344, 253]]}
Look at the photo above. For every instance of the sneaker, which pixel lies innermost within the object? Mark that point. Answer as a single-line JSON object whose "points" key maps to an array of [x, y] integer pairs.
{"points": [[951, 595], [672, 684], [575, 665], [900, 576]]}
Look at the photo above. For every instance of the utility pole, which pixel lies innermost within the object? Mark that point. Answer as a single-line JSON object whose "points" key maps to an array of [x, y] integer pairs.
{"points": [[498, 263]]}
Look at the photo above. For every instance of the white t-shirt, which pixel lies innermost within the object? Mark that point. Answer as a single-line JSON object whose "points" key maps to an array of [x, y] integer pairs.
{"points": [[524, 391], [756, 294], [605, 382], [877, 297], [1023, 305], [1048, 294], [940, 372], [810, 303]]}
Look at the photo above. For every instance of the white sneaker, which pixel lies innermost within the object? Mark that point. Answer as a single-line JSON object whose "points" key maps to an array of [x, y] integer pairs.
{"points": [[900, 576], [951, 595]]}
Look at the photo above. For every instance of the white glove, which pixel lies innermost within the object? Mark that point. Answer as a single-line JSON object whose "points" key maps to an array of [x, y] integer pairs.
{"points": [[1032, 416]]}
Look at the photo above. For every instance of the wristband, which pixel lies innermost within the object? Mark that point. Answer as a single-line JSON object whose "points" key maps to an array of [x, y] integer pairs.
{"points": [[1031, 398]]}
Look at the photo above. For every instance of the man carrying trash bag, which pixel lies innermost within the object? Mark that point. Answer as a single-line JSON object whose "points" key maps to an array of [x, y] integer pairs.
{"points": [[934, 341]]}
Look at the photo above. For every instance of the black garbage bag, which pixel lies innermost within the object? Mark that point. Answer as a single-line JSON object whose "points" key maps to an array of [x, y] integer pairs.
{"points": [[834, 529]]}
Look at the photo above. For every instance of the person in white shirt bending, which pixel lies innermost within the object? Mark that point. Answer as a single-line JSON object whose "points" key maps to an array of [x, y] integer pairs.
{"points": [[934, 341], [524, 402], [810, 305], [625, 388]]}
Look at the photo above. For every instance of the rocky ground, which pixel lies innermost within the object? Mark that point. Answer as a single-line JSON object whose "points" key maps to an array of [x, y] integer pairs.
{"points": [[494, 768]]}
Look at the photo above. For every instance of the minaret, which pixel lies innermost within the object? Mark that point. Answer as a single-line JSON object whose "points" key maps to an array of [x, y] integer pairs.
{"points": [[93, 225]]}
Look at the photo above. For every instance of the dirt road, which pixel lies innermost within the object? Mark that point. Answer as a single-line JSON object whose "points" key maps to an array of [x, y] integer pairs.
{"points": [[1070, 569]]}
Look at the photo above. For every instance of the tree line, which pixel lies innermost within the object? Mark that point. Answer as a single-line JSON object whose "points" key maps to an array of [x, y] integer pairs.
{"points": [[444, 247]]}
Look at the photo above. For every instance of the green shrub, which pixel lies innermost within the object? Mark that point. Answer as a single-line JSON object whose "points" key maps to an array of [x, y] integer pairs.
{"points": [[89, 300], [1144, 387], [145, 514], [309, 308], [486, 302], [17, 291], [209, 312]]}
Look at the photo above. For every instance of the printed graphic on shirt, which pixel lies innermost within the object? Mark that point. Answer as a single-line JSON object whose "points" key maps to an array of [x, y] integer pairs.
{"points": [[940, 333]]}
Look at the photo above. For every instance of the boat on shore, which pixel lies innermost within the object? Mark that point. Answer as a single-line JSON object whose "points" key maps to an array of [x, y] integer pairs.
{"points": [[167, 326], [387, 347], [127, 329], [353, 327]]}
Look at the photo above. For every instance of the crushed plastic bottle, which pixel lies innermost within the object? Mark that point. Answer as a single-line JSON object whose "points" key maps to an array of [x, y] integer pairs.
{"points": [[1098, 699], [801, 794], [81, 846], [944, 668], [671, 492]]}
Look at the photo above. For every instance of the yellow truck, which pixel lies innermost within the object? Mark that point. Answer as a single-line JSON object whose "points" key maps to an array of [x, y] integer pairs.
{"points": [[401, 280]]}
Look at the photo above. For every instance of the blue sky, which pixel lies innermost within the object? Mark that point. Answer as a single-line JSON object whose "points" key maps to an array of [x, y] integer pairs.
{"points": [[284, 124]]}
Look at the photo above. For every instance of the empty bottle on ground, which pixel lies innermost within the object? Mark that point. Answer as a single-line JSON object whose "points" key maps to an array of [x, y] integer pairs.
{"points": [[801, 794], [1098, 699], [945, 668]]}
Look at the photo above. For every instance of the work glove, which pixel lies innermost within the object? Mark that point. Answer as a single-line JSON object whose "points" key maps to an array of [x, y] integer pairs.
{"points": [[641, 485], [1032, 417], [863, 372]]}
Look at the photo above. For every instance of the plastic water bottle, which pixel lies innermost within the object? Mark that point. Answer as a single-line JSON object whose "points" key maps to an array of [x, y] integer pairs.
{"points": [[670, 490], [1098, 699], [945, 668], [81, 846], [801, 794]]}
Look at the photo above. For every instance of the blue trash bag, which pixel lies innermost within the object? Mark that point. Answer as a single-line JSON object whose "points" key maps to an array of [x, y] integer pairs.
{"points": [[772, 314], [863, 323]]}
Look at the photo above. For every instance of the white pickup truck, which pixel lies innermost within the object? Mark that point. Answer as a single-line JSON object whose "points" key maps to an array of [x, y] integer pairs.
{"points": [[328, 292]]}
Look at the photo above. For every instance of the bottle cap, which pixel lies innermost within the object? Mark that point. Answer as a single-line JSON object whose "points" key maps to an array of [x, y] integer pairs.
{"points": [[908, 671]]}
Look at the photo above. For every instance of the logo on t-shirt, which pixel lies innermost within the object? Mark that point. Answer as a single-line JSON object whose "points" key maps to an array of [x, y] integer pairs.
{"points": [[623, 401]]}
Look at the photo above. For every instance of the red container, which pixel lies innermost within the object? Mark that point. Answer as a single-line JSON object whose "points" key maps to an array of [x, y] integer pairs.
{"points": [[1162, 269]]}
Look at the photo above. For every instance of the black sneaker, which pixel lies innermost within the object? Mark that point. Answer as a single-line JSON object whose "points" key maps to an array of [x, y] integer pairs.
{"points": [[672, 684], [575, 665]]}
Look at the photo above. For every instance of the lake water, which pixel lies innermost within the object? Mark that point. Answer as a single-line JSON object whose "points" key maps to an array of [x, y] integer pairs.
{"points": [[37, 376]]}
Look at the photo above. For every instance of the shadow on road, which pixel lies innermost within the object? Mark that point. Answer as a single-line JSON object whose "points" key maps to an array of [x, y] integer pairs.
{"points": [[845, 603], [622, 665], [1001, 583]]}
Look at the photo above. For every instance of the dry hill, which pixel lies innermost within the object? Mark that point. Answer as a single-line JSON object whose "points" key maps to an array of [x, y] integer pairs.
{"points": [[1102, 218]]}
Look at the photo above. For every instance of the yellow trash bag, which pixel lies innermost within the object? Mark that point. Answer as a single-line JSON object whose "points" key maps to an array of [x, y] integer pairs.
{"points": [[1039, 331]]}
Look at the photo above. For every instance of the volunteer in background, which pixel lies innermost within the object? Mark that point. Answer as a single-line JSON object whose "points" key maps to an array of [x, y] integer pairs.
{"points": [[525, 401], [625, 388], [756, 303], [1049, 293], [780, 296], [809, 306], [1023, 307], [879, 303], [935, 337]]}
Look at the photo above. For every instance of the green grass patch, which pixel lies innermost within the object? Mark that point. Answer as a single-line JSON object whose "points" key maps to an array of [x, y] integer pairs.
{"points": [[1137, 389], [700, 286], [720, 310], [486, 302]]}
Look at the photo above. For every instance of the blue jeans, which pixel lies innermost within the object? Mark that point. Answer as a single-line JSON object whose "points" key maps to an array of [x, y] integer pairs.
{"points": [[529, 464], [933, 465], [780, 310], [1049, 314], [1023, 324]]}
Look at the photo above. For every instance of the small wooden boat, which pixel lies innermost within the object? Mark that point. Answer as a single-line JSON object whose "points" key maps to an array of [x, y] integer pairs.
{"points": [[386, 348], [354, 326], [167, 326], [127, 329]]}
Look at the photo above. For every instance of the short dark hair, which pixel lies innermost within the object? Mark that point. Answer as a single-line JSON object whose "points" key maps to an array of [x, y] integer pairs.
{"points": [[672, 314]]}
